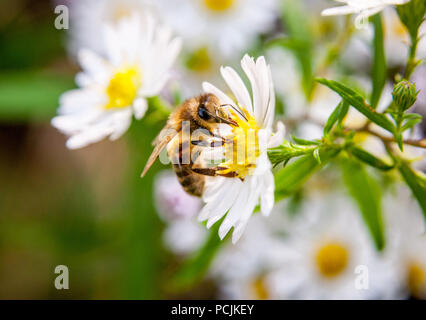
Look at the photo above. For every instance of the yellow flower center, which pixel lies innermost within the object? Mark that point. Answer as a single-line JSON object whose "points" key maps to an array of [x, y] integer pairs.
{"points": [[218, 5], [199, 60], [416, 277], [242, 148], [258, 288], [123, 88], [331, 259]]}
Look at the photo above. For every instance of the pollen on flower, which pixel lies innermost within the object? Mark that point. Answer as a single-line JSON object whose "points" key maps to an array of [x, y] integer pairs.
{"points": [[259, 289], [242, 148], [218, 5], [416, 277], [331, 259], [123, 87]]}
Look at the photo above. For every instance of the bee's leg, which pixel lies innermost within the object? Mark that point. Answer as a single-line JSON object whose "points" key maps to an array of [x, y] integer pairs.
{"points": [[212, 172], [204, 143], [210, 139]]}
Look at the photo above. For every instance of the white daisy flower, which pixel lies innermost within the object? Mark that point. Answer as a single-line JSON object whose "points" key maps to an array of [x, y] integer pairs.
{"points": [[363, 8], [87, 16], [115, 87], [178, 209], [171, 200], [406, 236], [414, 266], [229, 26], [242, 270], [333, 258], [250, 167]]}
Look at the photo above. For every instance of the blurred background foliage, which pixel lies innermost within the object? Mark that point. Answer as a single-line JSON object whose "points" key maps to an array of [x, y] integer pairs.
{"points": [[85, 209]]}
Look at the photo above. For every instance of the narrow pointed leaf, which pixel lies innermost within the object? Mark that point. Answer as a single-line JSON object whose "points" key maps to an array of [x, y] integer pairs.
{"points": [[367, 194], [369, 159], [358, 102], [378, 73], [335, 116], [416, 183]]}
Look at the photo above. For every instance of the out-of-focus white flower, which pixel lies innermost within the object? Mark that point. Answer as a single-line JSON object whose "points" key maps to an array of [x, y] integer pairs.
{"points": [[87, 17], [229, 26], [171, 200], [112, 89], [363, 8], [183, 234], [333, 259], [406, 237], [198, 65], [414, 266], [236, 197], [241, 270]]}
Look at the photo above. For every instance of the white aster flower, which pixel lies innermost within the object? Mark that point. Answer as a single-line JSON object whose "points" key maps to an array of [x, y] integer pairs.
{"points": [[364, 8], [242, 270], [178, 209], [171, 200], [406, 236], [113, 88], [227, 25], [333, 258], [253, 181]]}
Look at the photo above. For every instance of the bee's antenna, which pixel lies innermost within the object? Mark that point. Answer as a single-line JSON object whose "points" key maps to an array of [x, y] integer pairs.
{"points": [[236, 109]]}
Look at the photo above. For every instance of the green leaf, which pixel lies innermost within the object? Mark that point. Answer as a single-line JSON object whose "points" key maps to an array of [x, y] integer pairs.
{"points": [[366, 192], [288, 150], [378, 75], [291, 178], [412, 15], [337, 115], [358, 102], [411, 119], [304, 142], [369, 159], [416, 183], [317, 156], [194, 269], [31, 96]]}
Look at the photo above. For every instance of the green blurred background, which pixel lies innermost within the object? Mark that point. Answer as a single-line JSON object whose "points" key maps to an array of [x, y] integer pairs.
{"points": [[86, 209]]}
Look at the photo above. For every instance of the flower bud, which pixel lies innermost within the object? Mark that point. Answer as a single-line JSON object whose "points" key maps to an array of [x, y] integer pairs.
{"points": [[404, 95]]}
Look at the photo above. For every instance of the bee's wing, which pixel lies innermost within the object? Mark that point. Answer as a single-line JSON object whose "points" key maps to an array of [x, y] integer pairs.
{"points": [[160, 142]]}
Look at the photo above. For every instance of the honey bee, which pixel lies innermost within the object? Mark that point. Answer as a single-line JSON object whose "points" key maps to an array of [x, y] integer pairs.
{"points": [[202, 112]]}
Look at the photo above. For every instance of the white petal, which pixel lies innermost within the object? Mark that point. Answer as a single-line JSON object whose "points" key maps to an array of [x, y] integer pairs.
{"points": [[342, 10], [140, 106], [121, 122], [72, 123], [235, 212], [258, 74], [277, 138], [94, 66], [267, 196], [89, 136], [237, 87], [209, 88]]}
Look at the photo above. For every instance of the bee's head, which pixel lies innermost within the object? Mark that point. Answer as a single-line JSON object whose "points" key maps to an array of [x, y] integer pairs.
{"points": [[209, 111]]}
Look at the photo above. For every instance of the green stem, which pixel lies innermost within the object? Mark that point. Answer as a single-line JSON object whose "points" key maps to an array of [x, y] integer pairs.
{"points": [[411, 62]]}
